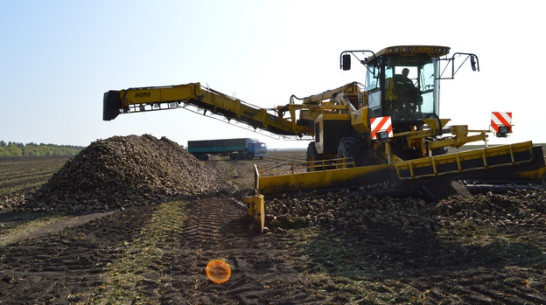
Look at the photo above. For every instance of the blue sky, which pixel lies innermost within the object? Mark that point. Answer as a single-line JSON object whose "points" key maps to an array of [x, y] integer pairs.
{"points": [[59, 57]]}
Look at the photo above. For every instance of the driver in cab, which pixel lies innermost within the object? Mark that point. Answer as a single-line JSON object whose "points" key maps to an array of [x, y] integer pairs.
{"points": [[408, 95], [405, 87]]}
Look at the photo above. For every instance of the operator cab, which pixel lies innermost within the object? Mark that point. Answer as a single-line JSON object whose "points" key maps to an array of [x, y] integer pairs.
{"points": [[402, 82]]}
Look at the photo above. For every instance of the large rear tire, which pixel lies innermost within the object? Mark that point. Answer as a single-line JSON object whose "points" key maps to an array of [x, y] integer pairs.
{"points": [[353, 148]]}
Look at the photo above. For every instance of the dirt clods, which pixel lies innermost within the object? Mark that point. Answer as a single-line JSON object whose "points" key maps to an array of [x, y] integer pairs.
{"points": [[354, 208]]}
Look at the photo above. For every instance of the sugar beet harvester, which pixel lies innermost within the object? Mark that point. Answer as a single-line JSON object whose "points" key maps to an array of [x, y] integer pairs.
{"points": [[386, 128]]}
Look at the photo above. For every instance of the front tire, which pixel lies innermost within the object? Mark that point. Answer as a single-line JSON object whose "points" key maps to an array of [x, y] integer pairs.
{"points": [[352, 148], [312, 157]]}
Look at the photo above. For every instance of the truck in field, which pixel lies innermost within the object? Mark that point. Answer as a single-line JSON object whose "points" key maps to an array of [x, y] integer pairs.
{"points": [[236, 149]]}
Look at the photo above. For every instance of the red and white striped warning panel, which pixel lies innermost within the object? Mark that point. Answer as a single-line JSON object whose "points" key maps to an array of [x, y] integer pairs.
{"points": [[499, 119], [381, 124]]}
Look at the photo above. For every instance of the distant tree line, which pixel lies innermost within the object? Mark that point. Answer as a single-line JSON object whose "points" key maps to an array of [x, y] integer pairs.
{"points": [[13, 149]]}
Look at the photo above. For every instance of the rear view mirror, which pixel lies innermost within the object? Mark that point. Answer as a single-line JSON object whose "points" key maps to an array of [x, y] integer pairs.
{"points": [[473, 63], [346, 62]]}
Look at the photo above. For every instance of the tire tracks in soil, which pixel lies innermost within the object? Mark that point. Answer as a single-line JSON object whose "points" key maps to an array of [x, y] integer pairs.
{"points": [[262, 272], [74, 265]]}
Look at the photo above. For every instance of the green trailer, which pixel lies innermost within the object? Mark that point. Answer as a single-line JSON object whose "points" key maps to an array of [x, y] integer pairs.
{"points": [[236, 149]]}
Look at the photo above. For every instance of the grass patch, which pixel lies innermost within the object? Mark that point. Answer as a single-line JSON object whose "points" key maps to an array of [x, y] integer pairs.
{"points": [[141, 260], [27, 229], [467, 233], [493, 244]]}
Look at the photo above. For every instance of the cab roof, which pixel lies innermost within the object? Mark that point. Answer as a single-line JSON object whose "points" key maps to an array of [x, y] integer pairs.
{"points": [[409, 50]]}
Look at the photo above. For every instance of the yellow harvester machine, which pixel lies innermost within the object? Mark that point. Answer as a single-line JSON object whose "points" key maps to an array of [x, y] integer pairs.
{"points": [[387, 128]]}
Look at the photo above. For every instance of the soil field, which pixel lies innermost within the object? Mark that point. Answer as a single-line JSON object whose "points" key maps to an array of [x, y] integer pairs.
{"points": [[25, 173], [158, 253]]}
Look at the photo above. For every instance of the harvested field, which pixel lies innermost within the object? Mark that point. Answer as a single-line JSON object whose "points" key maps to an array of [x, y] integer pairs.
{"points": [[20, 175], [341, 247]]}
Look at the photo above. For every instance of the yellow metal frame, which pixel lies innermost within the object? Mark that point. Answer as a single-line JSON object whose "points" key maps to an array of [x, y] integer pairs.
{"points": [[454, 162], [155, 98], [338, 175], [256, 209], [320, 179]]}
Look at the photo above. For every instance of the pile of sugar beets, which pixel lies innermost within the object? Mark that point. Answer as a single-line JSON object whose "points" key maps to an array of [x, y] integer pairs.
{"points": [[126, 171]]}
